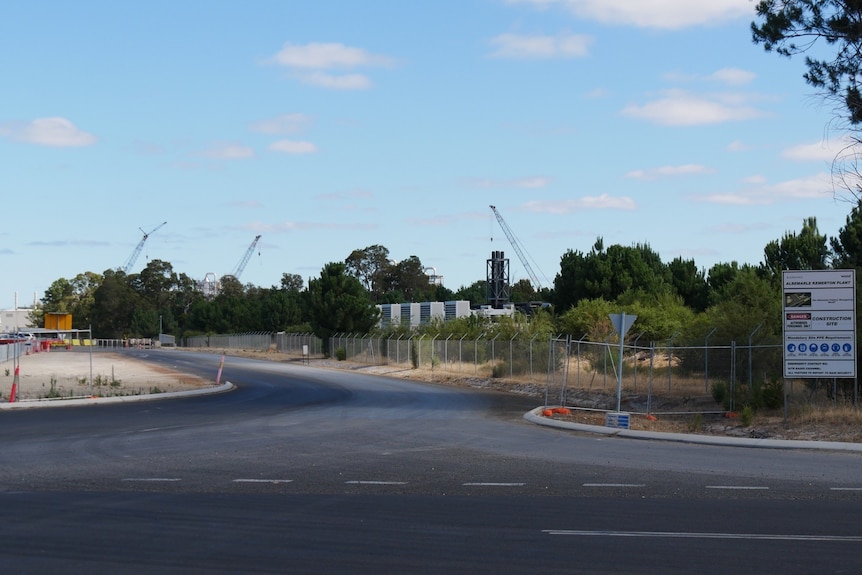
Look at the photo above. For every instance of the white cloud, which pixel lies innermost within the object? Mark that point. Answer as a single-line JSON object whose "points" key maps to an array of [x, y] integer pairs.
{"points": [[669, 171], [823, 151], [293, 147], [345, 196], [603, 201], [336, 81], [664, 14], [530, 183], [815, 187], [55, 132], [738, 146], [320, 56], [284, 124], [735, 228], [733, 76], [312, 64], [541, 47], [228, 151], [756, 179], [680, 108], [284, 227]]}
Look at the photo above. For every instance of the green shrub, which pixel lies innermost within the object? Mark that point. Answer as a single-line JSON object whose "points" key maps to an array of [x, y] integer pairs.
{"points": [[746, 416], [696, 422], [772, 395], [719, 392], [500, 369], [341, 354]]}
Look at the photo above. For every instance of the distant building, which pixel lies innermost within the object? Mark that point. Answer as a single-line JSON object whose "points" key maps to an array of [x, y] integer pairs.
{"points": [[416, 314], [12, 320]]}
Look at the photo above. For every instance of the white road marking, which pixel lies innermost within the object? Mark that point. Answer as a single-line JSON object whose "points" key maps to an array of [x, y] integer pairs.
{"points": [[167, 479], [150, 429], [614, 485], [493, 484], [376, 482], [263, 480], [683, 535], [845, 488], [739, 487]]}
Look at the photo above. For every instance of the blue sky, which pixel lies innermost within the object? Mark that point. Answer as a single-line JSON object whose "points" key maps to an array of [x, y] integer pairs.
{"points": [[333, 125]]}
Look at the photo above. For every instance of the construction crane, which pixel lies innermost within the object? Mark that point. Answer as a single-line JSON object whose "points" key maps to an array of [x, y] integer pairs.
{"points": [[516, 245], [244, 261], [134, 257]]}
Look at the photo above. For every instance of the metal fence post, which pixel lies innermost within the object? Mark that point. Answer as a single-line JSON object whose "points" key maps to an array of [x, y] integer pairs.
{"points": [[750, 354], [706, 360]]}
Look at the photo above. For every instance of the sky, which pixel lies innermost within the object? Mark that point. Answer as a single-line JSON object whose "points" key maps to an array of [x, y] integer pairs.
{"points": [[334, 125]]}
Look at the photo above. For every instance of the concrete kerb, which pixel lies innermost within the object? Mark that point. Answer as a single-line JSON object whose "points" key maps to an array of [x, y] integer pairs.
{"points": [[38, 403], [535, 416]]}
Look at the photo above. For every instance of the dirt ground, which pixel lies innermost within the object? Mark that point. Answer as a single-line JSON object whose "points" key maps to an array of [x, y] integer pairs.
{"points": [[77, 373]]}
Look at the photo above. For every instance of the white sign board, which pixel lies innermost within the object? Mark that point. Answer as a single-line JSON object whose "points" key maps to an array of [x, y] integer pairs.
{"points": [[819, 315]]}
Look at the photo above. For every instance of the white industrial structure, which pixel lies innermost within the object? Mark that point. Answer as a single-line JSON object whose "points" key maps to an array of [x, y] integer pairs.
{"points": [[416, 314], [210, 285]]}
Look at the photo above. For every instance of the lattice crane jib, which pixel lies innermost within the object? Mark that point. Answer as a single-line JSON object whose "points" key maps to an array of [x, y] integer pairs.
{"points": [[245, 259], [139, 248], [516, 245]]}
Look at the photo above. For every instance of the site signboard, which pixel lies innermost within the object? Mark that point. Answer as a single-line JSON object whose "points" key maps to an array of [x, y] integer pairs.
{"points": [[819, 315]]}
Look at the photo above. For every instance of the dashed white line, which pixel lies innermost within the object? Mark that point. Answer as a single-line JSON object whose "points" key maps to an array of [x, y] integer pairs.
{"points": [[739, 487], [492, 484], [683, 535], [615, 485], [263, 480], [151, 429], [845, 488], [356, 482], [156, 479]]}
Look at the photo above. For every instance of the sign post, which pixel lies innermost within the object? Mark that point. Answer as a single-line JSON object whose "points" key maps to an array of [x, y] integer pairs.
{"points": [[622, 323]]}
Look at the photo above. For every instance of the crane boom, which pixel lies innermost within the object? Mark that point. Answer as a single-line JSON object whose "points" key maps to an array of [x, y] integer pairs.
{"points": [[244, 261], [139, 248], [516, 245]]}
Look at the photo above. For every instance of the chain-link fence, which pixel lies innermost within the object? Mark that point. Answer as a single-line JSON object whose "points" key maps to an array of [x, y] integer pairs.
{"points": [[653, 378], [10, 351], [657, 378], [299, 344]]}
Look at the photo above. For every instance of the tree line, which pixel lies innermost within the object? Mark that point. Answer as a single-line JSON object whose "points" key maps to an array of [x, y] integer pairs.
{"points": [[673, 298]]}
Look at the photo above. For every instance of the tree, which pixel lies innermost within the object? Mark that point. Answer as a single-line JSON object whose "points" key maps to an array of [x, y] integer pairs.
{"points": [[230, 287], [74, 296], [370, 266], [791, 27], [847, 247], [408, 278], [568, 283], [804, 251], [113, 306], [523, 291], [339, 303], [689, 283], [475, 293], [291, 282], [608, 273]]}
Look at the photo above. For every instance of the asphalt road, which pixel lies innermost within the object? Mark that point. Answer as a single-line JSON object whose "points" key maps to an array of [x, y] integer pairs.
{"points": [[316, 471]]}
